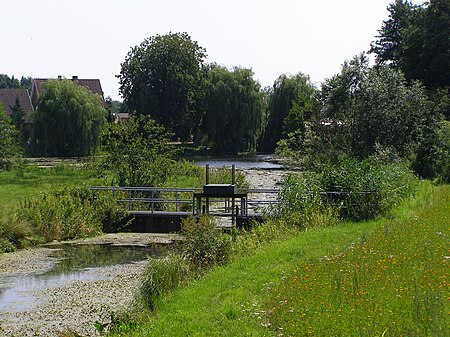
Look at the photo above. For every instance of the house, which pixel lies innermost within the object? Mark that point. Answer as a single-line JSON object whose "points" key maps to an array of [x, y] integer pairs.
{"points": [[92, 84], [9, 97], [122, 117]]}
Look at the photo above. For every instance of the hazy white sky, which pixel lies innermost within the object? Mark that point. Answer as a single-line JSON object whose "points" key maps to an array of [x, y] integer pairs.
{"points": [[90, 38]]}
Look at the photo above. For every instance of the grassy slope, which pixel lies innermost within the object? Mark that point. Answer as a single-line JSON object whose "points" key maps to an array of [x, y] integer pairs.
{"points": [[232, 300], [393, 284]]}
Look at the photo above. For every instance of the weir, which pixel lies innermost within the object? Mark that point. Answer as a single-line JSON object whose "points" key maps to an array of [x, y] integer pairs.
{"points": [[162, 210]]}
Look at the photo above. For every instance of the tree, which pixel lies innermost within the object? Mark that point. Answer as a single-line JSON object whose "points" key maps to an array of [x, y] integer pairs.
{"points": [[68, 120], [432, 158], [17, 114], [286, 91], [388, 47], [162, 77], [234, 110], [7, 82], [416, 40], [366, 109], [9, 141], [137, 152]]}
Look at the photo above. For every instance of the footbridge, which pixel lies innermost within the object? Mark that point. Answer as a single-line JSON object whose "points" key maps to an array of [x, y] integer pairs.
{"points": [[157, 209]]}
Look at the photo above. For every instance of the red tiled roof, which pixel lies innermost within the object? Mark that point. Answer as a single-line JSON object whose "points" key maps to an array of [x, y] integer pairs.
{"points": [[8, 98], [92, 84]]}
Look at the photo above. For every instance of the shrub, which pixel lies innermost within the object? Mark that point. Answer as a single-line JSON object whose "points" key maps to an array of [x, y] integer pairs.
{"points": [[204, 244], [70, 213], [352, 189], [13, 232]]}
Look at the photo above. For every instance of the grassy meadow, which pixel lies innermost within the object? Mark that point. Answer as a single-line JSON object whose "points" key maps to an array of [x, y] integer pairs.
{"points": [[16, 185], [385, 277]]}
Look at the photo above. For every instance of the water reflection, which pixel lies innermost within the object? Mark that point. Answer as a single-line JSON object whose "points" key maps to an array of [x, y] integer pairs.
{"points": [[256, 161], [74, 262], [75, 257]]}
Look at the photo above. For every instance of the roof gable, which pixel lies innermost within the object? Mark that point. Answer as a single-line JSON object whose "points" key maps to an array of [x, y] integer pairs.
{"points": [[9, 96], [93, 85]]}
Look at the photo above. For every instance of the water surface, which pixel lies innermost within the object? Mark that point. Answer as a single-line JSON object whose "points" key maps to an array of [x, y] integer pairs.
{"points": [[256, 161], [73, 262]]}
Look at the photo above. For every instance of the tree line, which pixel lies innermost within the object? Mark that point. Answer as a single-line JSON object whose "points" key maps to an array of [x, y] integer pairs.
{"points": [[398, 108]]}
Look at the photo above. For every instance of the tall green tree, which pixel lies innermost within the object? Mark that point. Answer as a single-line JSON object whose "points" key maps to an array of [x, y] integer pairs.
{"points": [[162, 77], [364, 107], [9, 141], [137, 152], [17, 115], [288, 91], [7, 82], [68, 120], [388, 46], [234, 110], [416, 40]]}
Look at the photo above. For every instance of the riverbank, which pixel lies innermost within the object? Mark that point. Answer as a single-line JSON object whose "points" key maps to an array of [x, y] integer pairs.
{"points": [[239, 299], [75, 305]]}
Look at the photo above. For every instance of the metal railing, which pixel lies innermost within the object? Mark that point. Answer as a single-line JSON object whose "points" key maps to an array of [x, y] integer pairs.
{"points": [[154, 197]]}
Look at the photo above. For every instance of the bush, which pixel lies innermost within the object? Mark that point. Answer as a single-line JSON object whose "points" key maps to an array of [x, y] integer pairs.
{"points": [[352, 189], [205, 245], [70, 214], [13, 233]]}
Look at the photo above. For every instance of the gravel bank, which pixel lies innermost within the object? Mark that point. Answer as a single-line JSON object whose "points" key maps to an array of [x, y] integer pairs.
{"points": [[77, 304]]}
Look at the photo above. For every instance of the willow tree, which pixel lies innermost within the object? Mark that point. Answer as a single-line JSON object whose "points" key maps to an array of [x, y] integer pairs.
{"points": [[68, 120], [234, 110], [290, 97]]}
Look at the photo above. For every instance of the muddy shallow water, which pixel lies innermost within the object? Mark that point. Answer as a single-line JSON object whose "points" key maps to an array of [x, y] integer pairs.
{"points": [[44, 291], [50, 289]]}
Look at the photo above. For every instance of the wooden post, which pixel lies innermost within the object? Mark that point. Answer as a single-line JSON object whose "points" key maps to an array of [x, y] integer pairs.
{"points": [[233, 174], [233, 182], [207, 182]]}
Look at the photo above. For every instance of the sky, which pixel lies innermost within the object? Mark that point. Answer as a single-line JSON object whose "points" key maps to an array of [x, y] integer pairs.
{"points": [[91, 38]]}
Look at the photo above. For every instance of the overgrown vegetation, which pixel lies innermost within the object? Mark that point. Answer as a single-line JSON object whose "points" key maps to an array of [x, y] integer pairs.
{"points": [[351, 189], [389, 283], [303, 206], [45, 204], [65, 214], [266, 287]]}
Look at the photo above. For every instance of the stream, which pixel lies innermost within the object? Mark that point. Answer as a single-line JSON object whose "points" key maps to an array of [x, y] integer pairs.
{"points": [[68, 287]]}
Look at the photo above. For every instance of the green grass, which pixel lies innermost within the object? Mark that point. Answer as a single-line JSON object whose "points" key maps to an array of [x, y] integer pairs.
{"points": [[16, 185], [394, 283], [239, 299]]}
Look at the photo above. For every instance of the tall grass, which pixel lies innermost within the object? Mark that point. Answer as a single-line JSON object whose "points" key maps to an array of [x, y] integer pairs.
{"points": [[63, 214], [162, 276], [391, 283], [359, 190]]}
